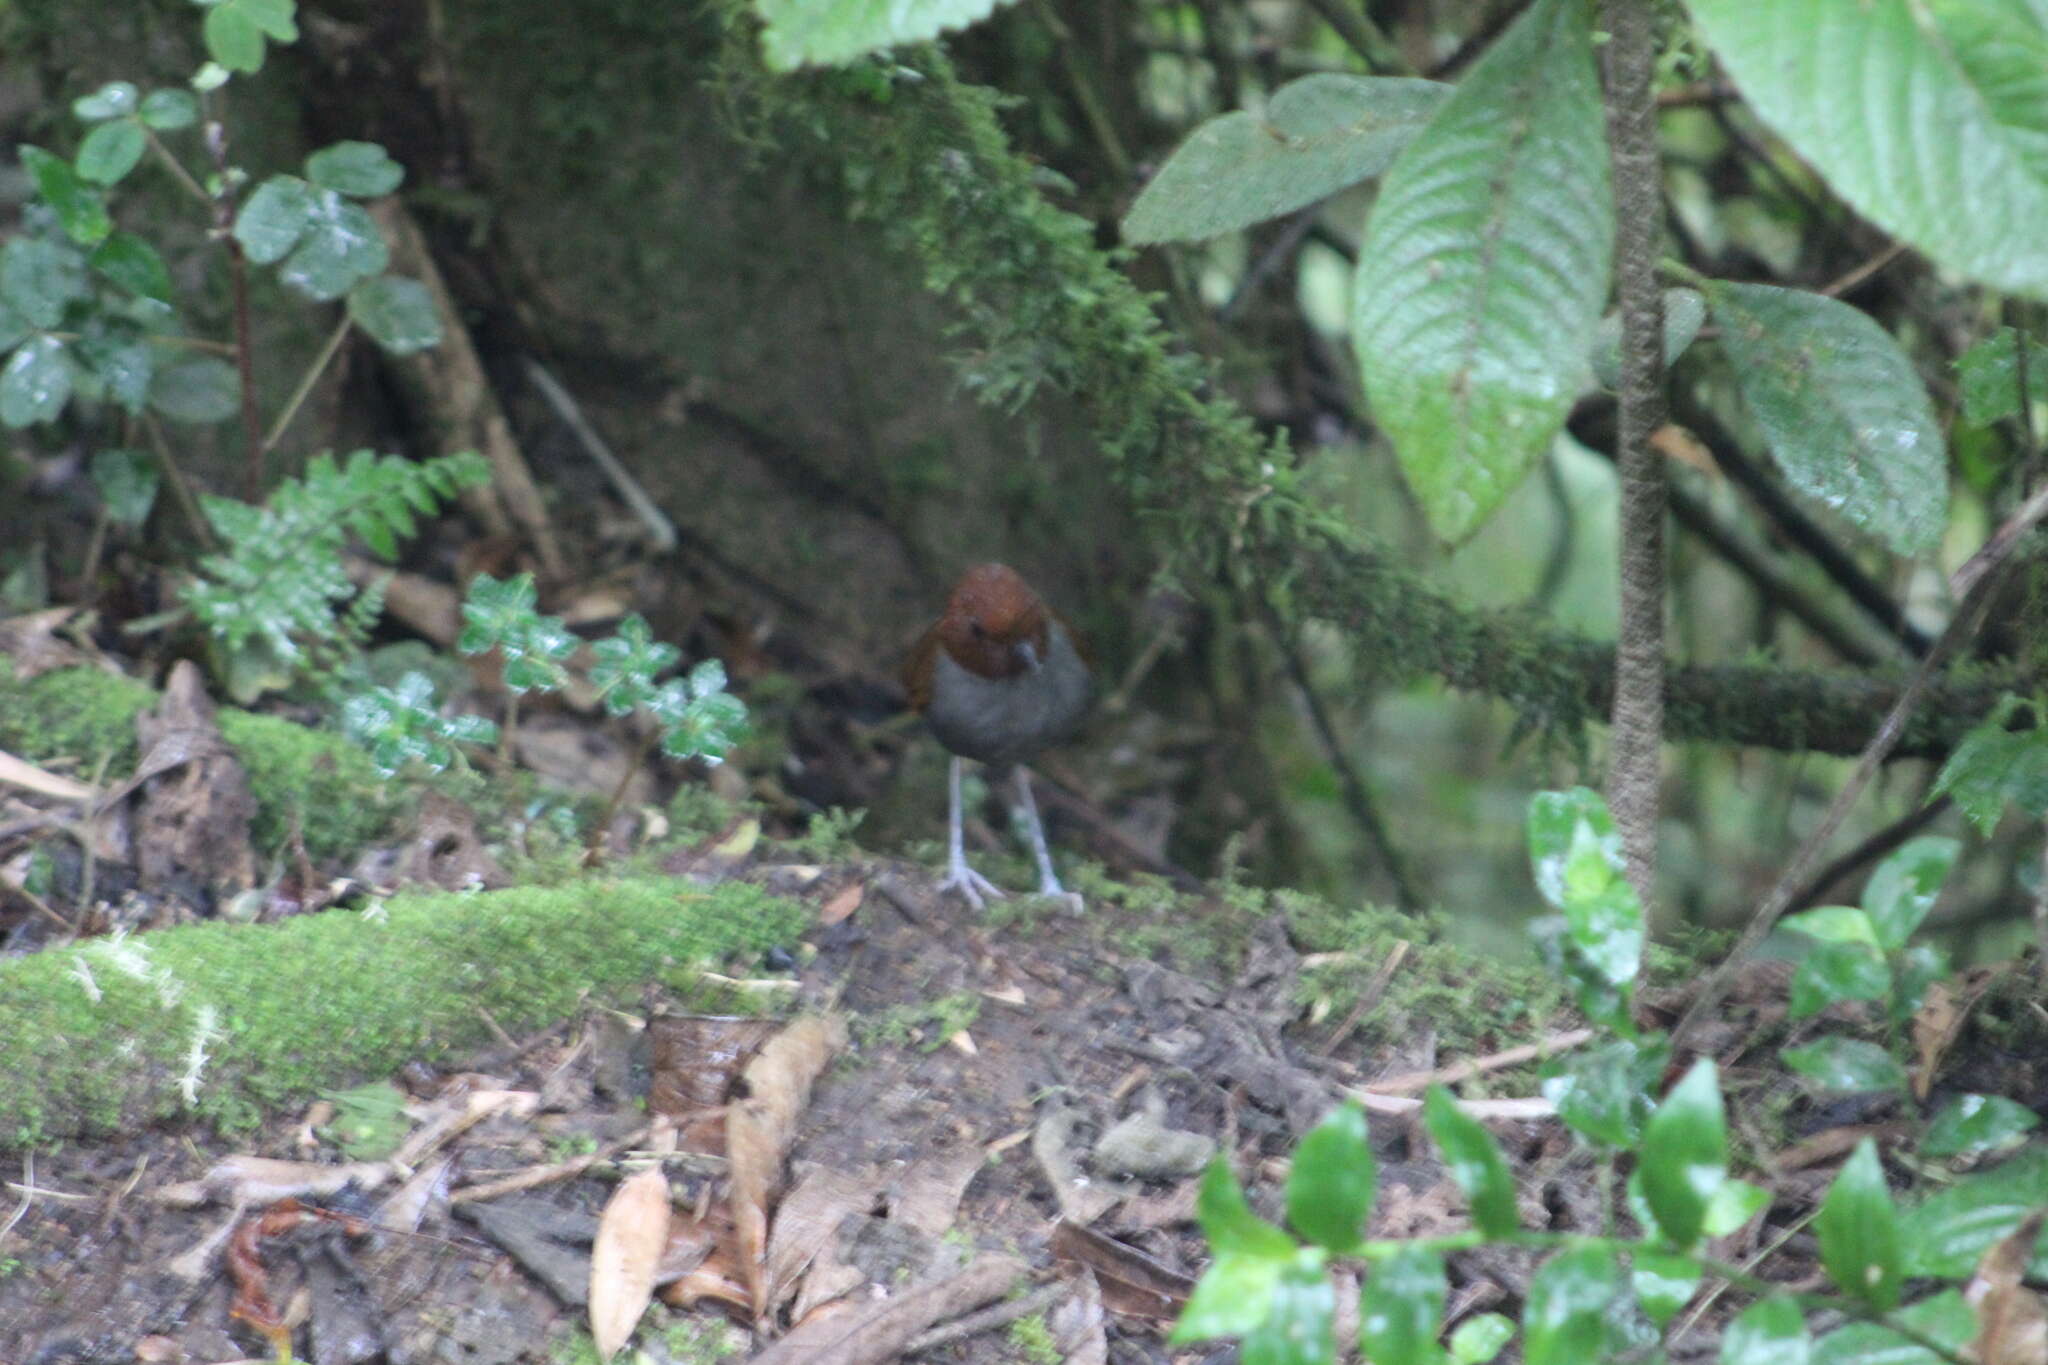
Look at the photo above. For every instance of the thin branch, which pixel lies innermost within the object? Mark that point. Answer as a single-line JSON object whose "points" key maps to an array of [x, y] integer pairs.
{"points": [[1869, 851], [1635, 766], [1357, 797], [305, 386], [1796, 526], [1974, 585], [1360, 36], [223, 200]]}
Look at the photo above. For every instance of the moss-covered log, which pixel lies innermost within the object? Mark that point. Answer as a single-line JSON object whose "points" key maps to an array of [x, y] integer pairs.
{"points": [[220, 1022]]}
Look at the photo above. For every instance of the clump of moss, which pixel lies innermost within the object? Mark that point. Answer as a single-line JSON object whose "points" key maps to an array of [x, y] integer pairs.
{"points": [[319, 779], [220, 1022]]}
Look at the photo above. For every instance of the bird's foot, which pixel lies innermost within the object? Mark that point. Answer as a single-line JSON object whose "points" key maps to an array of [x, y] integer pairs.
{"points": [[1069, 901], [974, 888]]}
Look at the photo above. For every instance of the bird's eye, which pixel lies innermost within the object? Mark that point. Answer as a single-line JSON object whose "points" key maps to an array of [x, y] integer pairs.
{"points": [[974, 628]]}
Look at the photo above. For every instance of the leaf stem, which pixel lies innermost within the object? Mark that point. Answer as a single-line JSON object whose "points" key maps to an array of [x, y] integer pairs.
{"points": [[305, 386]]}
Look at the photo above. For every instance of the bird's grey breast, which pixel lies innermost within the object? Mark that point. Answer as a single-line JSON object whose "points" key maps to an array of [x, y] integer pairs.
{"points": [[1002, 720]]}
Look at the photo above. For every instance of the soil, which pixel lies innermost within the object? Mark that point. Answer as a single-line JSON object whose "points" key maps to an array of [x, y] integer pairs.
{"points": [[967, 1116]]}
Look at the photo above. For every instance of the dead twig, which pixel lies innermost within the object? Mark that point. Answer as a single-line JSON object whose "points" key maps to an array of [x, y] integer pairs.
{"points": [[1002, 1314], [1414, 1082]]}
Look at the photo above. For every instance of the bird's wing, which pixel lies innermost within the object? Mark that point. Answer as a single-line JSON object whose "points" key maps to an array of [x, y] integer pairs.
{"points": [[919, 667]]}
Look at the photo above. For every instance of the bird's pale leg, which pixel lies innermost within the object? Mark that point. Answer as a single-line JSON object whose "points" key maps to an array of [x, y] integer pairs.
{"points": [[1048, 880], [971, 885]]}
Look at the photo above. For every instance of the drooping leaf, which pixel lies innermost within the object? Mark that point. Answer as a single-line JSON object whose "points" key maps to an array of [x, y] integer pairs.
{"points": [[1858, 1228], [1564, 1320], [1905, 886], [1989, 376], [1330, 1186], [111, 150], [169, 110], [341, 246], [112, 100], [1684, 311], [1833, 972], [1993, 765], [1316, 136], [1846, 1065], [1685, 1154], [397, 313], [1475, 1162], [1401, 1308], [40, 277], [1975, 71], [1663, 1284], [1944, 1318], [1842, 409], [362, 170], [1770, 1331], [1484, 268], [1969, 1124], [1300, 1323], [1947, 1233], [273, 219], [79, 208], [198, 389], [1480, 1337], [1235, 1293], [132, 263], [36, 382], [828, 32], [127, 480]]}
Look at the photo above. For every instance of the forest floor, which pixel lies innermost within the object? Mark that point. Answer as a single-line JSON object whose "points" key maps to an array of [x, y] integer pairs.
{"points": [[911, 1131]]}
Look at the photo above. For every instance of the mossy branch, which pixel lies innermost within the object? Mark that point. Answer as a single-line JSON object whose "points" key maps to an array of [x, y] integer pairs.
{"points": [[923, 155]]}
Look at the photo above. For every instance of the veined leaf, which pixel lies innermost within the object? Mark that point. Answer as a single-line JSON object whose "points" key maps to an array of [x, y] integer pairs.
{"points": [[1932, 119], [1484, 268], [1844, 413], [1318, 135]]}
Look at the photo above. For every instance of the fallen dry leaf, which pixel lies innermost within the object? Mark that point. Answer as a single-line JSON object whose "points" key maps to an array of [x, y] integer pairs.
{"points": [[631, 1234], [807, 1224], [1131, 1282], [2012, 1327], [196, 806], [759, 1130], [843, 903]]}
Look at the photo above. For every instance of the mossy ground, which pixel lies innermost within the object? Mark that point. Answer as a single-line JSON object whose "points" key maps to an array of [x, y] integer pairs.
{"points": [[312, 777], [221, 1022]]}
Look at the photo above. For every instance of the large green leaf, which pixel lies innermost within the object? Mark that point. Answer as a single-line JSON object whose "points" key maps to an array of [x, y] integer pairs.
{"points": [[1932, 119], [398, 313], [36, 382], [1844, 413], [1858, 1228], [1484, 268], [1685, 1154], [826, 32], [1317, 135], [1946, 1234]]}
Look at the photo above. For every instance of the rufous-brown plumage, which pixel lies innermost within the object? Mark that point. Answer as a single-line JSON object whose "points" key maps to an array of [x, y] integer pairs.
{"points": [[998, 677]]}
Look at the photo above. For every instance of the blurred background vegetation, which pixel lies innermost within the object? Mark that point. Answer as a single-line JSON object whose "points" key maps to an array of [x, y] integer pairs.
{"points": [[598, 200]]}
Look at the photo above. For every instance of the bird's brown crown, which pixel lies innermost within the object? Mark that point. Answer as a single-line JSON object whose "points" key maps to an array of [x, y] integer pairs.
{"points": [[991, 612]]}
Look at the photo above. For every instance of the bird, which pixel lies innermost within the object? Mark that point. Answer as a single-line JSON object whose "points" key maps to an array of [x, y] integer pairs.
{"points": [[998, 677]]}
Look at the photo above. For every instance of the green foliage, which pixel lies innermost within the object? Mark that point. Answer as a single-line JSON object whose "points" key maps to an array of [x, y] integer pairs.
{"points": [[402, 725], [1599, 1298], [1972, 1124], [276, 584], [1807, 66], [698, 717], [1484, 270], [1995, 766], [1989, 374], [1845, 1065], [1597, 942], [503, 617], [1317, 135], [1684, 311], [1841, 407], [822, 32], [235, 30], [127, 482]]}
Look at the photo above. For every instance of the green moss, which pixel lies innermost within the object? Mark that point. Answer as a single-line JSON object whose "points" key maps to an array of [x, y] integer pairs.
{"points": [[88, 716], [928, 1024], [1033, 1340], [103, 1037]]}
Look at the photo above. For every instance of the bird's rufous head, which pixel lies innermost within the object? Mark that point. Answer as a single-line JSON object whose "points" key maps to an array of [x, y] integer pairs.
{"points": [[994, 624]]}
